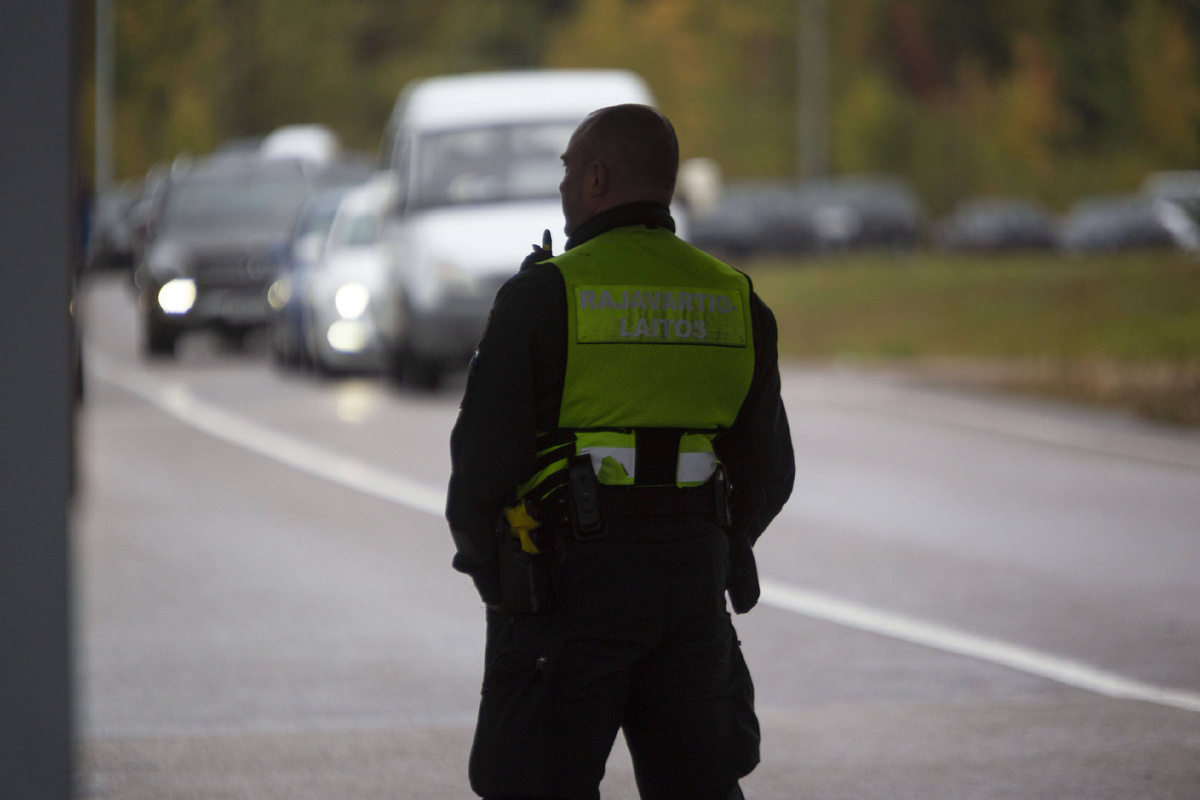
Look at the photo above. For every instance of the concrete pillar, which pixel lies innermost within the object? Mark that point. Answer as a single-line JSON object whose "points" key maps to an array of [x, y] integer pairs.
{"points": [[37, 180]]}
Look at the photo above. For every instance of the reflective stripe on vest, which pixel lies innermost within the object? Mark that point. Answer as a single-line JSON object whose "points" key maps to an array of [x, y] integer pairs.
{"points": [[613, 453], [614, 459], [697, 461]]}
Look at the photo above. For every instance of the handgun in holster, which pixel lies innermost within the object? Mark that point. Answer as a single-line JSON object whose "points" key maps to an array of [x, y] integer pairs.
{"points": [[528, 561], [742, 585]]}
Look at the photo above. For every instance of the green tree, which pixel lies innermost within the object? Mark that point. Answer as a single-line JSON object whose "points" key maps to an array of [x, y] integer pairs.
{"points": [[1055, 98]]}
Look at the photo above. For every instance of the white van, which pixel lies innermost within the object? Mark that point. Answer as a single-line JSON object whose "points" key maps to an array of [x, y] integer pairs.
{"points": [[476, 160]]}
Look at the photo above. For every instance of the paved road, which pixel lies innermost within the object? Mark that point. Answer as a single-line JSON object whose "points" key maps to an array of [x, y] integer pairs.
{"points": [[964, 592]]}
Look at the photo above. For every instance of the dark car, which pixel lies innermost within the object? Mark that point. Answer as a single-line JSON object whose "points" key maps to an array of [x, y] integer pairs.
{"points": [[210, 262], [755, 218], [995, 223], [294, 262], [860, 212], [350, 169], [818, 216], [1120, 223], [239, 146]]}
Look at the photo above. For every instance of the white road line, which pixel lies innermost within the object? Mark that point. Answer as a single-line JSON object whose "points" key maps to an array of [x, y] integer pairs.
{"points": [[177, 401], [971, 414], [939, 637]]}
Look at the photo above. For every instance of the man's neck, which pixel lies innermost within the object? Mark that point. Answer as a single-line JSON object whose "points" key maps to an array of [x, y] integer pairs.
{"points": [[645, 212]]}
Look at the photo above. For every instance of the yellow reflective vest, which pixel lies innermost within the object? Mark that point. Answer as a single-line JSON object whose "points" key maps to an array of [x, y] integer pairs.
{"points": [[659, 335]]}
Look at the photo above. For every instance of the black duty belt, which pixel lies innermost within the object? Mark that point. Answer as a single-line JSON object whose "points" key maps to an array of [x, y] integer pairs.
{"points": [[649, 502]]}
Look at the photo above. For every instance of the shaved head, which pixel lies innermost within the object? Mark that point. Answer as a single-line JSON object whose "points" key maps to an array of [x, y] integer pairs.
{"points": [[637, 142], [618, 155]]}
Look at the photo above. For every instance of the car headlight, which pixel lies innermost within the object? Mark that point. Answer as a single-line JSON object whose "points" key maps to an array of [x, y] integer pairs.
{"points": [[279, 293], [177, 296], [348, 336], [351, 300]]}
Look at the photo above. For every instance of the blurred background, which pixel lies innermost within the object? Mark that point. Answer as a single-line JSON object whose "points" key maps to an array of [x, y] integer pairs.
{"points": [[1051, 99], [977, 224], [879, 125]]}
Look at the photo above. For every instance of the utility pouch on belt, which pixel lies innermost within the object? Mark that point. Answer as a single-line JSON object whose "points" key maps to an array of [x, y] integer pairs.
{"points": [[527, 572], [587, 513]]}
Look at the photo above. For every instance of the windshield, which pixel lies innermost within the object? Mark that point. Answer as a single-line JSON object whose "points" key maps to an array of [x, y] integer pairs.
{"points": [[265, 201], [316, 222], [361, 229], [516, 162]]}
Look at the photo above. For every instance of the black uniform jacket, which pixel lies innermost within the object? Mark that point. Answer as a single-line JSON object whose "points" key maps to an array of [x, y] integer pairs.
{"points": [[514, 389]]}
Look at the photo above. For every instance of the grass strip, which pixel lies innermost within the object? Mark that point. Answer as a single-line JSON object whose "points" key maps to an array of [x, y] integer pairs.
{"points": [[1118, 330]]}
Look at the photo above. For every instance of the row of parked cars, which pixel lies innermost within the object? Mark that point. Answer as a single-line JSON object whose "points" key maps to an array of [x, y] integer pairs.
{"points": [[763, 218]]}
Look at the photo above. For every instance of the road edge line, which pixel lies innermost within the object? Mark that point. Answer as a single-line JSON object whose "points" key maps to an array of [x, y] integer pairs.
{"points": [[968, 414], [939, 637], [177, 401]]}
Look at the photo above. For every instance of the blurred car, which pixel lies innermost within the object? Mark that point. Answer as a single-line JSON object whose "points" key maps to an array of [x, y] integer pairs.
{"points": [[754, 218], [1177, 186], [239, 145], [294, 261], [860, 212], [110, 240], [210, 264], [1122, 222], [287, 335], [350, 312], [349, 169], [145, 209], [477, 162], [996, 223], [1176, 195], [774, 218]]}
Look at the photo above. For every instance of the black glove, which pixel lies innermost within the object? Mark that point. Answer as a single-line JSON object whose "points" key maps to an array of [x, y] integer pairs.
{"points": [[743, 575]]}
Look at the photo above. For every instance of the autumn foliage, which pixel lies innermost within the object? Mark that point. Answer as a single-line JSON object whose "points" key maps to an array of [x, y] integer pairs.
{"points": [[1053, 98]]}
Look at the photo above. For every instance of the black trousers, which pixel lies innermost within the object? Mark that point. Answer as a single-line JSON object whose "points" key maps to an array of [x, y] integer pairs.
{"points": [[641, 642]]}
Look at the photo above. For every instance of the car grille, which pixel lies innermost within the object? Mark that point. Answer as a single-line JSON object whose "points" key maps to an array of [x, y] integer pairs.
{"points": [[232, 270]]}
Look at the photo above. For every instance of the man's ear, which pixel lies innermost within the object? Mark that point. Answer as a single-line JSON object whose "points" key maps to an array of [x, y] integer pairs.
{"points": [[596, 179]]}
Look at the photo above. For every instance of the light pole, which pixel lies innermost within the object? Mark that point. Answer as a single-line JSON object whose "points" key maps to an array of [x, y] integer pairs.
{"points": [[812, 62], [104, 95]]}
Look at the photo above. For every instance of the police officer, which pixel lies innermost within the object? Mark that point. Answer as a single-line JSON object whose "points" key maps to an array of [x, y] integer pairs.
{"points": [[620, 445]]}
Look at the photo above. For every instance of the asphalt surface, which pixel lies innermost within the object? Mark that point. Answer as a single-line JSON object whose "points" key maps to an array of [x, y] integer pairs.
{"points": [[970, 596]]}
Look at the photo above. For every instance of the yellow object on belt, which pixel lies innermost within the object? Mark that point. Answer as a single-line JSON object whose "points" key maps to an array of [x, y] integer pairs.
{"points": [[520, 523]]}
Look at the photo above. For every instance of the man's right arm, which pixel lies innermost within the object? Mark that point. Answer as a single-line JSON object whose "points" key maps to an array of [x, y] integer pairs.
{"points": [[492, 445]]}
